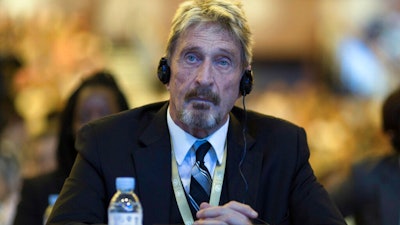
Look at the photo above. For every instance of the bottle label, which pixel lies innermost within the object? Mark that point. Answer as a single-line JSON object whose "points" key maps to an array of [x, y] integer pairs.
{"points": [[124, 219]]}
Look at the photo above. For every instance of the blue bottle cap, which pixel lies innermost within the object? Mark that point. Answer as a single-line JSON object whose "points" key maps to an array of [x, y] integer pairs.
{"points": [[52, 199], [124, 183]]}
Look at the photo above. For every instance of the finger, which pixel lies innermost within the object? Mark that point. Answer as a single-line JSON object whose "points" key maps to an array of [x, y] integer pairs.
{"points": [[206, 210], [229, 213], [243, 209], [204, 205]]}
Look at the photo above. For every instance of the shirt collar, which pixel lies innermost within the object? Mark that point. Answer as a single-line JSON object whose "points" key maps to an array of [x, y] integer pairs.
{"points": [[181, 141]]}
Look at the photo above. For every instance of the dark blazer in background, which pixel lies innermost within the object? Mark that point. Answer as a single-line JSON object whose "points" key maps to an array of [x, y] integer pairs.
{"points": [[371, 194], [34, 197], [281, 185]]}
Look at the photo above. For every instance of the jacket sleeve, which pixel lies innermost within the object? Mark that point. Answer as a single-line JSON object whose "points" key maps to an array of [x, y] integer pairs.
{"points": [[310, 202], [83, 197]]}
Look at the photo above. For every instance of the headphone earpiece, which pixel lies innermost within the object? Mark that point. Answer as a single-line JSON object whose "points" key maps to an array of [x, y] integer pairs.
{"points": [[246, 83], [164, 74], [163, 71]]}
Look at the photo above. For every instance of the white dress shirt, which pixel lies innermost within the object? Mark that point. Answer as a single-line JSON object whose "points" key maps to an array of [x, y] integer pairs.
{"points": [[182, 142]]}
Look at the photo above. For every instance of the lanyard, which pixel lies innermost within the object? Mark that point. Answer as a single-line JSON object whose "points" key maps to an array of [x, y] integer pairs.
{"points": [[180, 196]]}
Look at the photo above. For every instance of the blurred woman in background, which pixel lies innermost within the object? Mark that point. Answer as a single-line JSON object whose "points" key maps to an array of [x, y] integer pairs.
{"points": [[97, 96]]}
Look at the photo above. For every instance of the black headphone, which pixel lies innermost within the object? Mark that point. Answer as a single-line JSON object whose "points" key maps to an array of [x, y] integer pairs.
{"points": [[164, 74]]}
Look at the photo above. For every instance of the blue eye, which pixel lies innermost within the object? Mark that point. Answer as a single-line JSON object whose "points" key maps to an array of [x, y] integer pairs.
{"points": [[191, 58], [224, 62]]}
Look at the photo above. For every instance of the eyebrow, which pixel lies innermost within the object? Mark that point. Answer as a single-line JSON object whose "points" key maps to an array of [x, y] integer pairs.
{"points": [[198, 49], [190, 49]]}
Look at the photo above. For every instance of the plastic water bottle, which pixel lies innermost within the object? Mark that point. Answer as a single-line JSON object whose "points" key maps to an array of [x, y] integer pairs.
{"points": [[52, 199], [125, 207]]}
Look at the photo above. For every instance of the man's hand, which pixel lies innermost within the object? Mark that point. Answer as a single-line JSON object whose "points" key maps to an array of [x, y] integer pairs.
{"points": [[232, 213]]}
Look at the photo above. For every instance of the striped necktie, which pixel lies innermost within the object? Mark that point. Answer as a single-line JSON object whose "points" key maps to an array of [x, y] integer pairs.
{"points": [[201, 181]]}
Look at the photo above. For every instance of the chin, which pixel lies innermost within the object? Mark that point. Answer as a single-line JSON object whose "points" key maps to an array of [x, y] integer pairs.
{"points": [[195, 119]]}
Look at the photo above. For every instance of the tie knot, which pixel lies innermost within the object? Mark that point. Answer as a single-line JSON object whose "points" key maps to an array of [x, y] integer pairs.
{"points": [[202, 150]]}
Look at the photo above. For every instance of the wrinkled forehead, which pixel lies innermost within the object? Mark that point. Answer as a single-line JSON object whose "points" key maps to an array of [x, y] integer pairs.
{"points": [[214, 33]]}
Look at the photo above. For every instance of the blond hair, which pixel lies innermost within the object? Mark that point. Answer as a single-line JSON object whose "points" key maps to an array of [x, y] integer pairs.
{"points": [[227, 13]]}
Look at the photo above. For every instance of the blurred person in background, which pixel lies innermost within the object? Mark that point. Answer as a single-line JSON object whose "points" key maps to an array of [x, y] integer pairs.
{"points": [[370, 194], [39, 156], [13, 130], [97, 96], [369, 59], [10, 182]]}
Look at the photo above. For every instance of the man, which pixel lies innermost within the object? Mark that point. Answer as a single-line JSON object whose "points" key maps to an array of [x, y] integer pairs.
{"points": [[370, 194], [260, 163]]}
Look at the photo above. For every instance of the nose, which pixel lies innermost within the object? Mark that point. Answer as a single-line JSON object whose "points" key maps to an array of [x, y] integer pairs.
{"points": [[204, 74]]}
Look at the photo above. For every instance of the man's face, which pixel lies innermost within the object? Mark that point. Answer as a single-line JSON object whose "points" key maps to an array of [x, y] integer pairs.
{"points": [[205, 77]]}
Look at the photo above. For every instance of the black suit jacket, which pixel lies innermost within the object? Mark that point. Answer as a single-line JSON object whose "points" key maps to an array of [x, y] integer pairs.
{"points": [[371, 193], [281, 183], [34, 197]]}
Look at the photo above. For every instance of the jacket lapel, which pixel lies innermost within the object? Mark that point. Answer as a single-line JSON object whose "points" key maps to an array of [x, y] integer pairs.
{"points": [[154, 150], [242, 189]]}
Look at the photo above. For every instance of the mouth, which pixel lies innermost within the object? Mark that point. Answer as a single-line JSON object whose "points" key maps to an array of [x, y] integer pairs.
{"points": [[200, 99], [201, 103], [202, 96]]}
